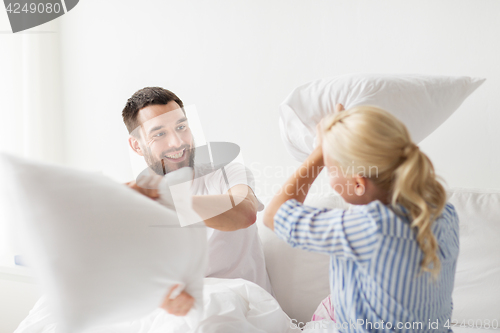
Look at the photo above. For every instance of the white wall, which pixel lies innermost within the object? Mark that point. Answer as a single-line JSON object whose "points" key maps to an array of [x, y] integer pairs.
{"points": [[30, 109], [236, 61]]}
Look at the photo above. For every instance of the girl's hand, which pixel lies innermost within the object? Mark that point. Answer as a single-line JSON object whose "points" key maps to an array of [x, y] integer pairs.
{"points": [[319, 135], [180, 305], [338, 108], [319, 130], [297, 186]]}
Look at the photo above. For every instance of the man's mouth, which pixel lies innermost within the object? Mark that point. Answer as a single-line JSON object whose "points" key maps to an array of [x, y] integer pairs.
{"points": [[177, 155]]}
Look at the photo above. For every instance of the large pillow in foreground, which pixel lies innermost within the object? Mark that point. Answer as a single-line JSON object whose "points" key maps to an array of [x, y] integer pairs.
{"points": [[102, 253], [421, 102]]}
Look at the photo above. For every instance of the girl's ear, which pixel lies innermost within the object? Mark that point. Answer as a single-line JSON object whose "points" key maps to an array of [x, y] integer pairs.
{"points": [[134, 144], [360, 185]]}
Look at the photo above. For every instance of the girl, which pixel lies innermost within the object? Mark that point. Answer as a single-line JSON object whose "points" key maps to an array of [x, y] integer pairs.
{"points": [[393, 256]]}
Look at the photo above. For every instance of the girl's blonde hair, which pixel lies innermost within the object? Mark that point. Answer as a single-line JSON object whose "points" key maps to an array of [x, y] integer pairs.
{"points": [[370, 138]]}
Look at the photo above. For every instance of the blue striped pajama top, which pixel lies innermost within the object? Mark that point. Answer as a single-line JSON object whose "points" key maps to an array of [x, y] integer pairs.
{"points": [[375, 264]]}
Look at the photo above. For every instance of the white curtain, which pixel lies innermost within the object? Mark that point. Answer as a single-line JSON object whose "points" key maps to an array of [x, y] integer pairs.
{"points": [[30, 101]]}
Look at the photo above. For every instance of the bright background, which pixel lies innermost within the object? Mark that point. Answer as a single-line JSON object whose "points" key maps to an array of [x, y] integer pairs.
{"points": [[63, 84], [236, 61]]}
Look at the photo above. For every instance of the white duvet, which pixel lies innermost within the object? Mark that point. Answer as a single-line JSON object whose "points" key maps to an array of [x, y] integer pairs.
{"points": [[230, 305]]}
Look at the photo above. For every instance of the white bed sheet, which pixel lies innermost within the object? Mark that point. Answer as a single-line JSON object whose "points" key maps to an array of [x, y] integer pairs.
{"points": [[230, 305]]}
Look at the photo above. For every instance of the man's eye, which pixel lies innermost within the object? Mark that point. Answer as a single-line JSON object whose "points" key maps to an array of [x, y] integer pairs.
{"points": [[180, 128], [159, 134]]}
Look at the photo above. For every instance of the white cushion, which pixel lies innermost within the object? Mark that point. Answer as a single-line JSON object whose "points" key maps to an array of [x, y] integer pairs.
{"points": [[421, 102], [299, 278], [102, 252], [476, 295]]}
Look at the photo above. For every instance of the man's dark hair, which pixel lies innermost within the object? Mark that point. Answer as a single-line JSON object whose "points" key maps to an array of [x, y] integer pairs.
{"points": [[145, 97]]}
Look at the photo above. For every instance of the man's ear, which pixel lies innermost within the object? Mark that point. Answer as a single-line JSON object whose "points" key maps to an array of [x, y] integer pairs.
{"points": [[134, 144], [360, 183]]}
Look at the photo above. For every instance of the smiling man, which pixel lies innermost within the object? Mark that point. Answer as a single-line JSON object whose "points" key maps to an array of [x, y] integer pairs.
{"points": [[162, 134], [159, 131]]}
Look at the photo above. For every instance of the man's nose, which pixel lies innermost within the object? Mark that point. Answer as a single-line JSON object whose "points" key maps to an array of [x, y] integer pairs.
{"points": [[175, 140]]}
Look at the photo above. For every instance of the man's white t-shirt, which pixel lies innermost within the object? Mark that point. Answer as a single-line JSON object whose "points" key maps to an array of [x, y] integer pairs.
{"points": [[232, 254]]}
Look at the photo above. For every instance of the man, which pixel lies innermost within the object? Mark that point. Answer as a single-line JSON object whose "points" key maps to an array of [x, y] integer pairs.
{"points": [[159, 131]]}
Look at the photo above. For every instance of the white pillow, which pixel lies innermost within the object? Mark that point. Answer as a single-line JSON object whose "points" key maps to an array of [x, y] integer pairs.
{"points": [[421, 102], [299, 278], [102, 252], [477, 280]]}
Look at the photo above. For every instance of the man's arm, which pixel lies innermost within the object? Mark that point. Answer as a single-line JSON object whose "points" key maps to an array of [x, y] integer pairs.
{"points": [[234, 210]]}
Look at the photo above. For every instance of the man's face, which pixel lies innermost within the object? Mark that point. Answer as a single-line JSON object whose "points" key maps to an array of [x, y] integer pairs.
{"points": [[165, 139]]}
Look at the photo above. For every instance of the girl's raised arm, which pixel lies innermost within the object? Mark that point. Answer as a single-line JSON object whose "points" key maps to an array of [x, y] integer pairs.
{"points": [[297, 186]]}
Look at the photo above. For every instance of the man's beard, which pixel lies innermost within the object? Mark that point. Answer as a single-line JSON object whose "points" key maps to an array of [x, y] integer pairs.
{"points": [[161, 167]]}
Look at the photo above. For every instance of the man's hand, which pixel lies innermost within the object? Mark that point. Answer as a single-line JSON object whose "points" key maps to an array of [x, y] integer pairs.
{"points": [[150, 193], [147, 185], [180, 305]]}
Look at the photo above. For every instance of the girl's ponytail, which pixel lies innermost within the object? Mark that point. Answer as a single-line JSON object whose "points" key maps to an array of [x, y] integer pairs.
{"points": [[370, 138], [416, 188]]}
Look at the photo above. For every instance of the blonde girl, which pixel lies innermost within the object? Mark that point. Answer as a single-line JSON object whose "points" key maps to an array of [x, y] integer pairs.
{"points": [[393, 256]]}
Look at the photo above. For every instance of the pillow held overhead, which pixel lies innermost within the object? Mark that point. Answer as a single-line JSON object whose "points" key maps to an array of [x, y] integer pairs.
{"points": [[421, 102]]}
